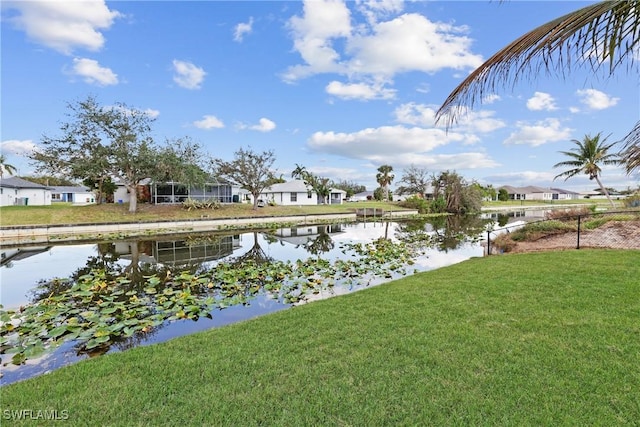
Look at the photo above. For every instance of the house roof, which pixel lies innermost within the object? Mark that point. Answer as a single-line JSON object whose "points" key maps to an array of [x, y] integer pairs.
{"points": [[69, 189], [294, 186], [16, 182]]}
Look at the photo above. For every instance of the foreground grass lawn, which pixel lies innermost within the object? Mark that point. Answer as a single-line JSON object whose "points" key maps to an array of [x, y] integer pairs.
{"points": [[524, 340]]}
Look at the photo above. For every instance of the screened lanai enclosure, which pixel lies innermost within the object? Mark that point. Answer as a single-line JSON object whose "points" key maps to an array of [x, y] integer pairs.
{"points": [[173, 192]]}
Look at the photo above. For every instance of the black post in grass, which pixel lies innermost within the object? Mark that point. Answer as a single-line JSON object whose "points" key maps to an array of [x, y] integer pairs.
{"points": [[578, 245]]}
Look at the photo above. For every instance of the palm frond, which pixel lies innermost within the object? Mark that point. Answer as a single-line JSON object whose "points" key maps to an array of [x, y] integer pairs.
{"points": [[630, 153], [605, 33]]}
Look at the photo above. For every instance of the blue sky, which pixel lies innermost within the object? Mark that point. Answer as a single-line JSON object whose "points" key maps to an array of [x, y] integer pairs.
{"points": [[338, 87]]}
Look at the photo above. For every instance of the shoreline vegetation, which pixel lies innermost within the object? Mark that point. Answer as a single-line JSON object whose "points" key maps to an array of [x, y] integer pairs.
{"points": [[543, 345], [66, 213]]}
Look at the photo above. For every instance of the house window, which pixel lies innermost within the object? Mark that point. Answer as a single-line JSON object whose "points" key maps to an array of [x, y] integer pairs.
{"points": [[294, 197], [56, 196], [309, 194]]}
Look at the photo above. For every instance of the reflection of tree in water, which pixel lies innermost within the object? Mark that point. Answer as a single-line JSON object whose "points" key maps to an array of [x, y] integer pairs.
{"points": [[321, 243], [255, 255], [449, 232]]}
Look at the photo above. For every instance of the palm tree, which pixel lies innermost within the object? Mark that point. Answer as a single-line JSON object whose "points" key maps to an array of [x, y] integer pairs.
{"points": [[602, 36], [384, 177], [6, 166], [586, 157], [631, 151]]}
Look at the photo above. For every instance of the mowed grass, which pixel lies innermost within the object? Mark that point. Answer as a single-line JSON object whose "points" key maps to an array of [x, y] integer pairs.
{"points": [[542, 339], [65, 213]]}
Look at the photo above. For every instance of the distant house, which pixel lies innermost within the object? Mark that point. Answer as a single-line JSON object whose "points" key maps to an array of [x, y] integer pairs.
{"points": [[78, 195], [293, 192], [532, 192], [175, 192], [296, 192], [560, 194], [18, 191], [362, 196]]}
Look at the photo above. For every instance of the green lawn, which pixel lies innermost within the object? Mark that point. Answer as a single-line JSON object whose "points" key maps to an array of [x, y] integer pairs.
{"points": [[543, 339], [65, 213]]}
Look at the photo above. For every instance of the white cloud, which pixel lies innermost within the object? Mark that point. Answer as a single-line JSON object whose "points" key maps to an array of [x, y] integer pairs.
{"points": [[416, 114], [18, 147], [188, 75], [93, 73], [209, 122], [322, 21], [541, 101], [242, 29], [596, 100], [386, 141], [539, 133], [471, 121], [64, 25], [264, 125], [490, 99], [361, 91], [375, 9], [152, 113], [409, 42]]}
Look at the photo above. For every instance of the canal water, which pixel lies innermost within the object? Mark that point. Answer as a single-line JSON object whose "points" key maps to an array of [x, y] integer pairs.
{"points": [[26, 271]]}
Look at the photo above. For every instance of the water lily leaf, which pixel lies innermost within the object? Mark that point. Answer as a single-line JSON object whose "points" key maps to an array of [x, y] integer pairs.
{"points": [[18, 359], [150, 290], [57, 331]]}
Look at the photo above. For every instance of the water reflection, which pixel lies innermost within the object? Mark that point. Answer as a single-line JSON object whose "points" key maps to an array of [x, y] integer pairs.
{"points": [[242, 274]]}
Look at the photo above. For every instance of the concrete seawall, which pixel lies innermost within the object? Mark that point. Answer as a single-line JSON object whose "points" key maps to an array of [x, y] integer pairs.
{"points": [[37, 234]]}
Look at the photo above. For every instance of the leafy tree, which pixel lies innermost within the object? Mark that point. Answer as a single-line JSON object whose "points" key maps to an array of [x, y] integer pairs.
{"points": [[103, 143], [452, 194], [503, 195], [251, 170], [105, 189], [384, 177], [488, 192], [416, 181], [350, 187], [6, 167], [586, 158], [382, 193]]}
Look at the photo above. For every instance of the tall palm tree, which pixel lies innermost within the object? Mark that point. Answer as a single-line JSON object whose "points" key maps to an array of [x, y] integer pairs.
{"points": [[4, 166], [384, 177], [603, 36], [586, 157]]}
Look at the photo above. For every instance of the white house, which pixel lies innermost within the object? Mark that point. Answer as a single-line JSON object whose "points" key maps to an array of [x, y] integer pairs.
{"points": [[78, 195], [18, 191], [297, 193], [532, 192], [290, 193]]}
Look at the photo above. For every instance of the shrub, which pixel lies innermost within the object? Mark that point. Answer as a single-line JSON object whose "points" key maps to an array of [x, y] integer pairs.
{"points": [[415, 202], [503, 243], [633, 201], [567, 214], [191, 204], [537, 230]]}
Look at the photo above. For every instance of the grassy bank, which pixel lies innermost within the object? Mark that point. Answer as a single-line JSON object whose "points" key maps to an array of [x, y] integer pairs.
{"points": [[526, 339], [65, 213]]}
